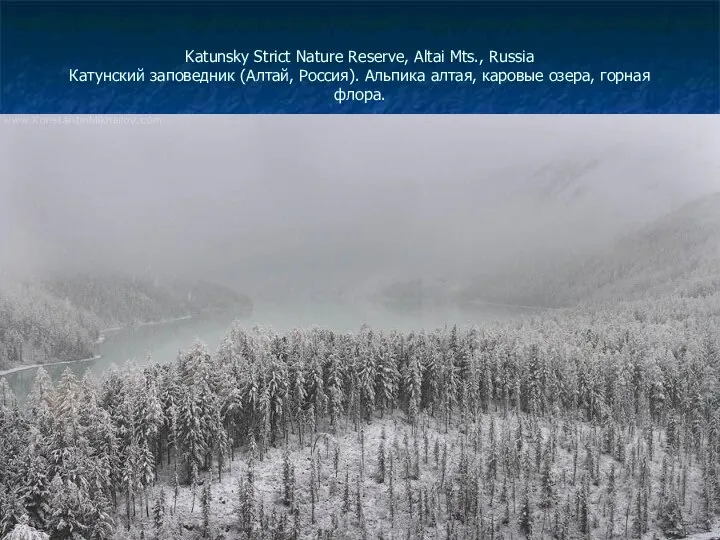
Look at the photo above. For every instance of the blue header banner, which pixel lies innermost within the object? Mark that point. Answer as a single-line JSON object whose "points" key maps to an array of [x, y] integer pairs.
{"points": [[301, 57]]}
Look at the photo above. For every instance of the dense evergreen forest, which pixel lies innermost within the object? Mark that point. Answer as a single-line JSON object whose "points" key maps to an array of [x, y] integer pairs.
{"points": [[121, 300], [37, 327], [681, 249], [61, 320], [595, 422]]}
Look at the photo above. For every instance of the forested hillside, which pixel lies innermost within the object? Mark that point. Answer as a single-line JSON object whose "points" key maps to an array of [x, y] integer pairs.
{"points": [[682, 249], [122, 300], [36, 327], [61, 320], [204, 295], [119, 300], [596, 422]]}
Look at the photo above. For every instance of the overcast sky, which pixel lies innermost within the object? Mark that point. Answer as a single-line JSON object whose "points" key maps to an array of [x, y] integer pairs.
{"points": [[333, 201]]}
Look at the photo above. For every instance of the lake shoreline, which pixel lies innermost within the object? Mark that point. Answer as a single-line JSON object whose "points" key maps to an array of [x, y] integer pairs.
{"points": [[101, 339], [109, 334], [35, 366], [148, 323], [154, 323]]}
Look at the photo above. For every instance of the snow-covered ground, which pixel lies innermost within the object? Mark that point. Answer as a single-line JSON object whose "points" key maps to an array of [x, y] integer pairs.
{"points": [[714, 534], [360, 468]]}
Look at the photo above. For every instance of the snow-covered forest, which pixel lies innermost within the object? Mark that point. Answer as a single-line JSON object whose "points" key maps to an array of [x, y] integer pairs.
{"points": [[121, 300], [588, 410], [61, 319], [595, 422], [37, 327]]}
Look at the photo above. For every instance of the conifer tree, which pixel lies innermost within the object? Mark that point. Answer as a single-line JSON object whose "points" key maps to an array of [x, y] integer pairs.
{"points": [[611, 500], [381, 462], [547, 483], [505, 501], [288, 493], [672, 523], [346, 494], [205, 502], [584, 507], [525, 519]]}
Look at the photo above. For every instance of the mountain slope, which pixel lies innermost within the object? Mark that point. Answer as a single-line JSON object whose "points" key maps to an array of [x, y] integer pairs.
{"points": [[674, 252], [37, 327], [121, 300], [679, 252]]}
